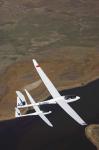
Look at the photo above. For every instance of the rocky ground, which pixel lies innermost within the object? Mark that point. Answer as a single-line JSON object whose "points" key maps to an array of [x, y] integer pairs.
{"points": [[92, 133]]}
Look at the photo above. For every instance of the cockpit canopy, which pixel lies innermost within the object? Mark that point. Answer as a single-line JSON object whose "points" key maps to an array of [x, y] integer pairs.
{"points": [[70, 97]]}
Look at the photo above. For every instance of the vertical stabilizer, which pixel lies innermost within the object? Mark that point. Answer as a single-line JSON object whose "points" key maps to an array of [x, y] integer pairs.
{"points": [[20, 99]]}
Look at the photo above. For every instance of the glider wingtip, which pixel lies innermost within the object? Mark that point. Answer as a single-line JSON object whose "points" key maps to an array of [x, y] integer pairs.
{"points": [[84, 124], [16, 92], [35, 63], [33, 60], [25, 90], [51, 125]]}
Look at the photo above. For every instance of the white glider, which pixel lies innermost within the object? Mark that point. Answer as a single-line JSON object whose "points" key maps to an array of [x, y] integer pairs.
{"points": [[21, 103], [62, 101]]}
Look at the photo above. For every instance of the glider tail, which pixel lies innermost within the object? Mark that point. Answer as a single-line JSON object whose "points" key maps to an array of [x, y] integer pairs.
{"points": [[17, 112], [20, 99]]}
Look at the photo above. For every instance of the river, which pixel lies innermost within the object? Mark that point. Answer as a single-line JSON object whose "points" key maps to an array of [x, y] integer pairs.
{"points": [[31, 133]]}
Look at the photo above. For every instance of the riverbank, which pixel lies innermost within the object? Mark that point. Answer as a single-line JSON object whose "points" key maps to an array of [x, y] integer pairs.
{"points": [[92, 133]]}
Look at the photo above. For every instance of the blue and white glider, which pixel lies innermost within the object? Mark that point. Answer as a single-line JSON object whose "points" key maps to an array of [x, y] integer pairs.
{"points": [[21, 103]]}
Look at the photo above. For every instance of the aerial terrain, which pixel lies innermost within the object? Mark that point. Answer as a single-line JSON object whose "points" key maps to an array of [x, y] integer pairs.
{"points": [[62, 35], [92, 133]]}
